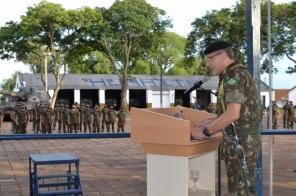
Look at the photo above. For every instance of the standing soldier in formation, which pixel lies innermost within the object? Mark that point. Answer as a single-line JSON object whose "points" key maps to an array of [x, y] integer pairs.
{"points": [[59, 113], [97, 119], [285, 114], [22, 119], [81, 112], [274, 115], [56, 115], [121, 121], [66, 118], [1, 119], [291, 116], [88, 118], [34, 116], [111, 118], [104, 117], [38, 117], [48, 119], [74, 119]]}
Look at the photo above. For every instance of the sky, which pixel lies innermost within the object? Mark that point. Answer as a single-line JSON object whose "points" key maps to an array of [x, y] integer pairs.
{"points": [[182, 13]]}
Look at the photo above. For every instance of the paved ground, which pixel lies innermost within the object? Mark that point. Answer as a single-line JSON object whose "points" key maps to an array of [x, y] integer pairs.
{"points": [[117, 167]]}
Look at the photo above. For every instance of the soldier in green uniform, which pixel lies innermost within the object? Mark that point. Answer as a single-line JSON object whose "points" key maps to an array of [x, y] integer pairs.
{"points": [[237, 109], [66, 119], [22, 119], [120, 121], [48, 119], [1, 119], [88, 118], [285, 114], [111, 118], [104, 117], [275, 113], [291, 116], [74, 119], [97, 119]]}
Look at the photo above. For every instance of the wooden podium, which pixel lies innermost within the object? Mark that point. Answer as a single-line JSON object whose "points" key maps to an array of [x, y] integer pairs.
{"points": [[176, 165]]}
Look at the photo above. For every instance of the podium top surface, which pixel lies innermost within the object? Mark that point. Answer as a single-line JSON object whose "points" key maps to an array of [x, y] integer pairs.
{"points": [[54, 158], [163, 126]]}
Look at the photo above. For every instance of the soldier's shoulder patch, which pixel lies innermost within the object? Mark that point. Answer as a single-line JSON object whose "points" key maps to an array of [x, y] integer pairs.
{"points": [[232, 81]]}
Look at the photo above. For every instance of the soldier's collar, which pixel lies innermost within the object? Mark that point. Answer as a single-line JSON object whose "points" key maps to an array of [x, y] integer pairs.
{"points": [[231, 66]]}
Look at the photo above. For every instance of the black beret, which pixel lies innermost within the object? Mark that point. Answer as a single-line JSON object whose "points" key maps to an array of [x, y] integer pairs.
{"points": [[218, 45]]}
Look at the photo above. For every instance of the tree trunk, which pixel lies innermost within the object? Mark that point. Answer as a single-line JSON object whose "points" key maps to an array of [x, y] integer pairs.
{"points": [[123, 104], [59, 82]]}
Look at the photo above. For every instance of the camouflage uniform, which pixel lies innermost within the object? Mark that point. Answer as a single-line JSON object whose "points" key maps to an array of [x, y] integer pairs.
{"points": [[104, 117], [34, 115], [285, 114], [111, 118], [74, 119], [66, 119], [48, 119], [1, 119], [81, 116], [22, 119], [121, 121], [87, 118], [275, 114], [291, 116], [97, 119], [237, 86], [56, 115]]}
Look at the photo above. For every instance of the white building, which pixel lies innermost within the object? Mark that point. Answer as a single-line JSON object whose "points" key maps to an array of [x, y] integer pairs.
{"points": [[143, 90]]}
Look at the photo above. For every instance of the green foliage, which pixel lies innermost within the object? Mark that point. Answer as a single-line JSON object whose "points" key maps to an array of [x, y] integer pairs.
{"points": [[177, 70], [230, 25], [141, 67], [9, 84], [92, 63], [121, 34]]}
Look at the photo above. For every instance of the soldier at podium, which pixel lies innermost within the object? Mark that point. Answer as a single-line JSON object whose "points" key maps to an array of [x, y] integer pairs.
{"points": [[238, 114]]}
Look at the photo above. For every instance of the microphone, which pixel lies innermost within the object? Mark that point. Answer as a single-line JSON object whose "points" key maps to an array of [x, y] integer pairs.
{"points": [[196, 85]]}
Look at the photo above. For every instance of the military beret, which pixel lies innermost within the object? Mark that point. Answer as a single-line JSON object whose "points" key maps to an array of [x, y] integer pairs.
{"points": [[218, 45]]}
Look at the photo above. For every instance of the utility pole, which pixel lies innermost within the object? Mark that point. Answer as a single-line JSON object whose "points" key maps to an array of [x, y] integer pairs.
{"points": [[253, 14]]}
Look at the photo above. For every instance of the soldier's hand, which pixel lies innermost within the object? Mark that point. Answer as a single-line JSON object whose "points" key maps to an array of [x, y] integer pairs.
{"points": [[200, 125]]}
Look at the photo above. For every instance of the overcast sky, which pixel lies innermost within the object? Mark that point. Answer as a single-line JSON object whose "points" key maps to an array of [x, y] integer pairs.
{"points": [[182, 13]]}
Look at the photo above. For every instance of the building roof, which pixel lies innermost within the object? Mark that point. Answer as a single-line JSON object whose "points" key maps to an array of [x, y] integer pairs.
{"points": [[111, 81]]}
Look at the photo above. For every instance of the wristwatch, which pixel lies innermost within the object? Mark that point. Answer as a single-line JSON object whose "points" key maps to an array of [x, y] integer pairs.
{"points": [[206, 132]]}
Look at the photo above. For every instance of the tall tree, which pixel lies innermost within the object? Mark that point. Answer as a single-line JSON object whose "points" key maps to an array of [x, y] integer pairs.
{"points": [[118, 31], [167, 53], [40, 35], [230, 24]]}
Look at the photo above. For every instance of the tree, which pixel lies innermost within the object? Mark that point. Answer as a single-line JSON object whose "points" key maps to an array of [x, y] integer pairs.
{"points": [[230, 24], [93, 62], [284, 32], [166, 53], [9, 84], [41, 32], [117, 31]]}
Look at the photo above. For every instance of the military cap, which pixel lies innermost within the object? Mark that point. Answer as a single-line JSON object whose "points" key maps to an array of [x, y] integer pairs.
{"points": [[218, 45]]}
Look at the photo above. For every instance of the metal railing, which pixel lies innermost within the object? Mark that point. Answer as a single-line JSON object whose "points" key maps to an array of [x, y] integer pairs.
{"points": [[259, 172]]}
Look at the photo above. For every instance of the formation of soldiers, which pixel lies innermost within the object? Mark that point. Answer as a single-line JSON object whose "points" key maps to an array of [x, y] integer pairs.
{"points": [[288, 115], [80, 118], [19, 118]]}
